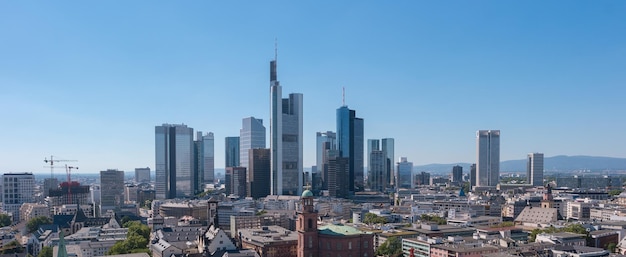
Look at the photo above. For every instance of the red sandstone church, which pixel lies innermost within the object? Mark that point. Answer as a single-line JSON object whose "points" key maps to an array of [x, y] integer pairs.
{"points": [[329, 240]]}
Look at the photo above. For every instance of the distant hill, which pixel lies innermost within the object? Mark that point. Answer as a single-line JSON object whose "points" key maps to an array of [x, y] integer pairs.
{"points": [[551, 164]]}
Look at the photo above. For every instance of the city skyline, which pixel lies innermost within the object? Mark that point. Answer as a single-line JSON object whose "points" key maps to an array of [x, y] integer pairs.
{"points": [[79, 84]]}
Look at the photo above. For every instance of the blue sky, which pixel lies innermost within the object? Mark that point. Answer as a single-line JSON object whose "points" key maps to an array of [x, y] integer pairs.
{"points": [[90, 80]]}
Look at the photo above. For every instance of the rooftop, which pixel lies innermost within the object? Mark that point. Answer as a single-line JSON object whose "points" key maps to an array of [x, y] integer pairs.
{"points": [[339, 230]]}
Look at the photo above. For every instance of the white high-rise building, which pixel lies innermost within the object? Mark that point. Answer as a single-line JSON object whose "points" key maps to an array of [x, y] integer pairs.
{"points": [[17, 188], [251, 136], [534, 169], [487, 158], [285, 139]]}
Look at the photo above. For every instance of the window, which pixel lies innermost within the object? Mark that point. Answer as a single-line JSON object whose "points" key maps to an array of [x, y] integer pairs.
{"points": [[365, 244], [339, 246], [310, 223], [310, 242], [349, 245]]}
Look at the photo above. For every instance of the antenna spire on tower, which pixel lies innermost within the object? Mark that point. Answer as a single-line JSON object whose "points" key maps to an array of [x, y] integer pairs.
{"points": [[275, 48], [343, 96]]}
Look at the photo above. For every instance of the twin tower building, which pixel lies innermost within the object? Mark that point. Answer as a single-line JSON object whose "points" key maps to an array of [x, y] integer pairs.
{"points": [[184, 164]]}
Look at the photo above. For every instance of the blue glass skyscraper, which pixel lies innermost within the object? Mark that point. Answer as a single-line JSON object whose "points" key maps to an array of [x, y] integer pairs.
{"points": [[350, 145]]}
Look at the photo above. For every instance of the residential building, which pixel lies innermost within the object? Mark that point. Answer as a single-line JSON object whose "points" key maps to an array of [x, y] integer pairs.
{"points": [[534, 169], [69, 193], [17, 189], [142, 175], [112, 189], [174, 155], [487, 158], [251, 136], [232, 152], [285, 138], [32, 210], [350, 142], [405, 177]]}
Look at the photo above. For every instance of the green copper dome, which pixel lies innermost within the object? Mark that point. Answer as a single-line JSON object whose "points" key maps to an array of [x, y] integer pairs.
{"points": [[307, 193]]}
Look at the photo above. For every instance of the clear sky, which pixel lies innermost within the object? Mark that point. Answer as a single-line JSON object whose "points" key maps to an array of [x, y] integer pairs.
{"points": [[89, 80]]}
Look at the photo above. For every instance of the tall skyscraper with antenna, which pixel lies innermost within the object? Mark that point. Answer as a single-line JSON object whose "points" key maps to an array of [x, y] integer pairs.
{"points": [[350, 142], [285, 138]]}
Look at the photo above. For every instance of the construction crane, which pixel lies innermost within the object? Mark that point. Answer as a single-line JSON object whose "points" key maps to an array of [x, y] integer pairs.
{"points": [[52, 161], [68, 169]]}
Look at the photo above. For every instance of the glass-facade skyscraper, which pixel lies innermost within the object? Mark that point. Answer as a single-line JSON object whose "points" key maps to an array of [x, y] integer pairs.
{"points": [[350, 145], [487, 158], [174, 157], [231, 152], [251, 136], [285, 139], [405, 178], [326, 142]]}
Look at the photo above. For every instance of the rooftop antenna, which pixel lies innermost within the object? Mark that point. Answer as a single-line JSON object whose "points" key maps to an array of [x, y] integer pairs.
{"points": [[275, 49], [343, 96]]}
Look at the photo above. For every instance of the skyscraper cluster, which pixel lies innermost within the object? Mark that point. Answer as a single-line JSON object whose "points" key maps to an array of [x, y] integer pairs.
{"points": [[183, 164]]}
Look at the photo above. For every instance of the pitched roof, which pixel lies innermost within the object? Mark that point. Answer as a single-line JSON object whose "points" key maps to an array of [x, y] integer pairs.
{"points": [[538, 215]]}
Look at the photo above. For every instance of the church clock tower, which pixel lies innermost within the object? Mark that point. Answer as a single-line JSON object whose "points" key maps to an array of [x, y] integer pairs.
{"points": [[307, 227]]}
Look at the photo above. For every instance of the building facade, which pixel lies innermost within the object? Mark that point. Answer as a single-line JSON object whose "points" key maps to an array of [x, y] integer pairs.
{"points": [[142, 175], [231, 152], [534, 169], [487, 158], [174, 159], [18, 188], [258, 182], [325, 142], [405, 177], [285, 138], [350, 143], [204, 160], [251, 136], [112, 189], [457, 174]]}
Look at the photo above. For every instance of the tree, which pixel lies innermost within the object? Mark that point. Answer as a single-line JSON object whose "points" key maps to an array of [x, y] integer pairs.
{"points": [[575, 228], [611, 247], [371, 218], [33, 224], [46, 251], [434, 218], [136, 239], [136, 228], [615, 192], [5, 220], [391, 247]]}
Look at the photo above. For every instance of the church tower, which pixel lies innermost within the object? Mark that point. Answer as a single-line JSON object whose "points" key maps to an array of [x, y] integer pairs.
{"points": [[212, 210], [548, 199], [307, 227]]}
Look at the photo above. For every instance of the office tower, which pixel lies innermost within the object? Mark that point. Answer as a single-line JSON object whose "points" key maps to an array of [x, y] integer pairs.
{"points": [[422, 178], [142, 175], [338, 168], [174, 157], [235, 181], [473, 175], [208, 148], [251, 136], [384, 178], [285, 138], [488, 158], [259, 181], [377, 177], [405, 174], [388, 150], [350, 145], [457, 174], [49, 183], [232, 152], [17, 188], [534, 169], [111, 189], [325, 141], [69, 193]]}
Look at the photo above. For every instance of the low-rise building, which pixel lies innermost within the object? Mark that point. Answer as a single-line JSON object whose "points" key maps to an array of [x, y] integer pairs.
{"points": [[270, 241], [562, 238]]}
